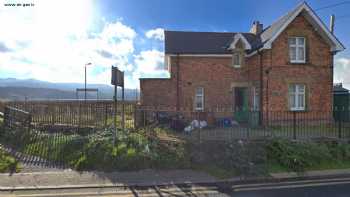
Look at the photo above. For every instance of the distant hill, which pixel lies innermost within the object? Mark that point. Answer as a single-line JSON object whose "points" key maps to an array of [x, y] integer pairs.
{"points": [[18, 89], [19, 93]]}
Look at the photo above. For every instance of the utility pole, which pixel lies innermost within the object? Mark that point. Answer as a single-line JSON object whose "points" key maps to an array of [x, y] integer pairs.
{"points": [[85, 80]]}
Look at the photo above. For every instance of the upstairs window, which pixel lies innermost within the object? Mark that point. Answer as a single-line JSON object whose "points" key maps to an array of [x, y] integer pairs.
{"points": [[297, 97], [199, 99], [297, 49], [236, 60]]}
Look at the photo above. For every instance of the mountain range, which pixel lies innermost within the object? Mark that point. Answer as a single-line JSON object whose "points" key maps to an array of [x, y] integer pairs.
{"points": [[33, 89]]}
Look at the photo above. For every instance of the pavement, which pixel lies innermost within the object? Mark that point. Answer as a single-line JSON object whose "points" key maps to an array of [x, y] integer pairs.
{"points": [[74, 179], [165, 183]]}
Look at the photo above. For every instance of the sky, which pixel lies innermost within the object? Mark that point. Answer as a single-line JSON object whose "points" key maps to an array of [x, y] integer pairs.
{"points": [[53, 40]]}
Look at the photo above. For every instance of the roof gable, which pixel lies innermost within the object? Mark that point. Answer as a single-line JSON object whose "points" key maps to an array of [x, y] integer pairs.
{"points": [[240, 37], [272, 32], [220, 43]]}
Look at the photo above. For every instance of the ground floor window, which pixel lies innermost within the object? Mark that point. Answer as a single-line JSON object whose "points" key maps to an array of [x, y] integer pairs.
{"points": [[199, 99], [297, 97]]}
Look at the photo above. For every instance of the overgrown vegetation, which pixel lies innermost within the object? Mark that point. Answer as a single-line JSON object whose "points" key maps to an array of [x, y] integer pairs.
{"points": [[132, 150], [284, 155], [259, 158], [8, 163], [160, 148]]}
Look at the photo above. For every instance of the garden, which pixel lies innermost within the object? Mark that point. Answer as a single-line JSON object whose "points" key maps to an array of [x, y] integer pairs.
{"points": [[158, 146]]}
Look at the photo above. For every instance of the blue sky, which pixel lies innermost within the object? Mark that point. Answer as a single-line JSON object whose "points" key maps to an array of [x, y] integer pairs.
{"points": [[52, 40]]}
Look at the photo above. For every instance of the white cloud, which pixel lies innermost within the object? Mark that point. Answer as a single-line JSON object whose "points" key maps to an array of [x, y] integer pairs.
{"points": [[118, 30], [149, 64], [157, 34], [342, 71], [53, 42]]}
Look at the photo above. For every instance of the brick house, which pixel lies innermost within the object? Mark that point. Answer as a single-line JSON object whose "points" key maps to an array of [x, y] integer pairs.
{"points": [[287, 66]]}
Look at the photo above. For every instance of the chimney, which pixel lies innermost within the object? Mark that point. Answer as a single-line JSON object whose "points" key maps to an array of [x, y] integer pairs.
{"points": [[256, 28]]}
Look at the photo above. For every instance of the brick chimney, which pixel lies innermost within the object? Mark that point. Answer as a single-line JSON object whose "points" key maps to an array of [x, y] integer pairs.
{"points": [[256, 28]]}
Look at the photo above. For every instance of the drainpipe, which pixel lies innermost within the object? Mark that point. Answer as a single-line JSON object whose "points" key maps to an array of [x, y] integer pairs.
{"points": [[177, 83], [331, 29], [261, 89], [332, 77]]}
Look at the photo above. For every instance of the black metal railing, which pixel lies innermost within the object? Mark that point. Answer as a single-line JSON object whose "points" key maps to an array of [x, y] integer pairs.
{"points": [[224, 124]]}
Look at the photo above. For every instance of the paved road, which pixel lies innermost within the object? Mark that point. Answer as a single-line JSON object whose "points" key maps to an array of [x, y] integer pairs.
{"points": [[338, 190]]}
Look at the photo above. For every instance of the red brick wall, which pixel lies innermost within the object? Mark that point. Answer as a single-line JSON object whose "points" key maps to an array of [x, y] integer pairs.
{"points": [[158, 92], [216, 75], [315, 74]]}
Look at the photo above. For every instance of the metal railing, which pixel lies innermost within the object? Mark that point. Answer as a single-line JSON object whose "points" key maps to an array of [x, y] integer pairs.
{"points": [[228, 124]]}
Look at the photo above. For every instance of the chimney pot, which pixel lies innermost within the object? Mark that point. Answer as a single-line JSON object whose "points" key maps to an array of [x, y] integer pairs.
{"points": [[256, 28]]}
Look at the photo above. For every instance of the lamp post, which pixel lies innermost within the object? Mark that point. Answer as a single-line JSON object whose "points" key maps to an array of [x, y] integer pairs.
{"points": [[85, 79]]}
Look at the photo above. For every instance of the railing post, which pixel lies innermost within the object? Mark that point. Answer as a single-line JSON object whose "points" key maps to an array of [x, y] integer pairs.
{"points": [[199, 127], [105, 116], [339, 124], [294, 126]]}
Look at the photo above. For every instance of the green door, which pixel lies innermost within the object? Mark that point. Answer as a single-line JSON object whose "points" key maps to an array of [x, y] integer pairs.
{"points": [[241, 104]]}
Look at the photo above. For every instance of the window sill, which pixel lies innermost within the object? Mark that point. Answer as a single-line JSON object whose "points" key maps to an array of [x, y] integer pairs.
{"points": [[297, 63], [298, 110]]}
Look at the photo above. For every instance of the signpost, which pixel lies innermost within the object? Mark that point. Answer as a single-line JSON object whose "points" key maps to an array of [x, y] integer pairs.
{"points": [[117, 80]]}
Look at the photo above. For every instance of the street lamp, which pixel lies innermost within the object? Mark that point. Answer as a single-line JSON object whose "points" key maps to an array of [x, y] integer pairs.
{"points": [[87, 64]]}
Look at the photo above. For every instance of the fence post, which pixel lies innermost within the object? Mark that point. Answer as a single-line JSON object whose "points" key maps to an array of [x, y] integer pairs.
{"points": [[6, 116], [105, 116], [294, 126], [200, 129], [339, 124], [249, 122]]}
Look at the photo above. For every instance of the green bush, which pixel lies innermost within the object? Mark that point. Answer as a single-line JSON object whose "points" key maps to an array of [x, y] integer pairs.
{"points": [[245, 158], [301, 156], [8, 163], [133, 151]]}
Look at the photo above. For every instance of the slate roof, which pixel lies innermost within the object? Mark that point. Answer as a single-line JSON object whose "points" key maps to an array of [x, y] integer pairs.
{"points": [[339, 89], [183, 42]]}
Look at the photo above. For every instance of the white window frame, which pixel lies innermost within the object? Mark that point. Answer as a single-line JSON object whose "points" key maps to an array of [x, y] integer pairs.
{"points": [[295, 95], [199, 97], [297, 46], [236, 55]]}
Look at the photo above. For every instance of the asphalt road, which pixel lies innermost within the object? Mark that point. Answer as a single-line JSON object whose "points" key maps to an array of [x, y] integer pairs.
{"points": [[332, 190]]}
